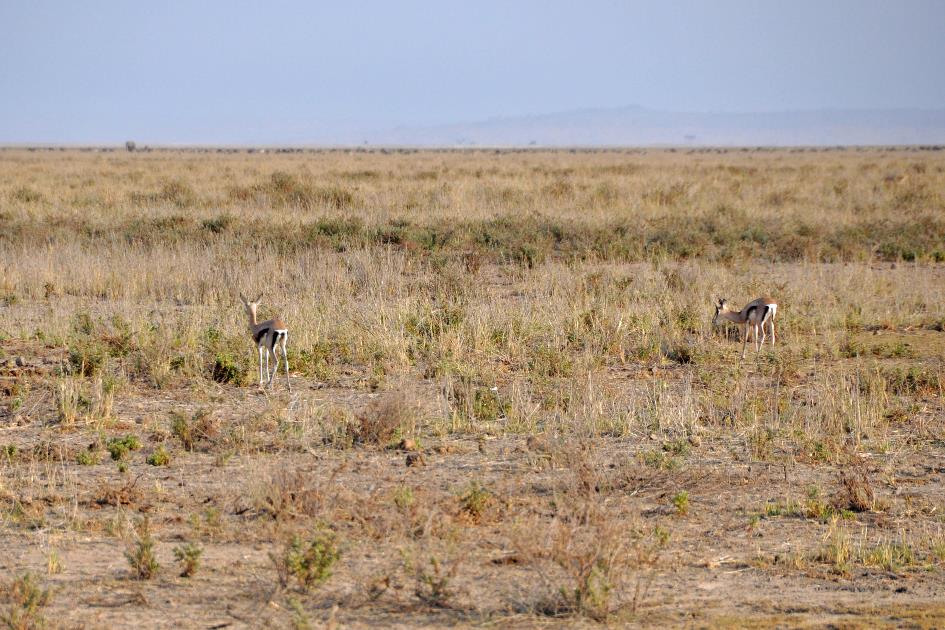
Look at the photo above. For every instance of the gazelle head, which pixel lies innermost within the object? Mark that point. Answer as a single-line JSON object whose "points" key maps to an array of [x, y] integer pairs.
{"points": [[721, 306], [250, 305]]}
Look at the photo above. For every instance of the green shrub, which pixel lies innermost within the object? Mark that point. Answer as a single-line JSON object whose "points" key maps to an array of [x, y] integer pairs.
{"points": [[475, 500], [159, 457], [87, 357], [677, 447], [86, 458], [308, 561], [140, 555], [118, 448], [403, 498], [189, 558], [26, 599], [657, 458], [227, 369], [182, 430], [9, 452]]}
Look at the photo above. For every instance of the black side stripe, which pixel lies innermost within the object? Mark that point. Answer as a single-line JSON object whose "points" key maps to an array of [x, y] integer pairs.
{"points": [[260, 334]]}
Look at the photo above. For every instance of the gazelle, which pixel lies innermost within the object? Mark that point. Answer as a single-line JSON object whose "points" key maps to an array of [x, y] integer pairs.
{"points": [[268, 336], [753, 318]]}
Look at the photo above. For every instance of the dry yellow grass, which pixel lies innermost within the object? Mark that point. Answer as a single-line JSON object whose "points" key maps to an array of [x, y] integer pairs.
{"points": [[531, 327]]}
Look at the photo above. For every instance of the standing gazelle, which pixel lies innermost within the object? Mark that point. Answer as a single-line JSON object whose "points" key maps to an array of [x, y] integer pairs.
{"points": [[753, 318], [268, 336]]}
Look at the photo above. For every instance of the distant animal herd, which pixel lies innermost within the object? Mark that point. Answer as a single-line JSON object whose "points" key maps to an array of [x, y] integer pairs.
{"points": [[756, 320]]}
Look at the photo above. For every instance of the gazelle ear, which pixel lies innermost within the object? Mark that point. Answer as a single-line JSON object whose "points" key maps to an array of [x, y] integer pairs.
{"points": [[242, 298], [258, 297]]}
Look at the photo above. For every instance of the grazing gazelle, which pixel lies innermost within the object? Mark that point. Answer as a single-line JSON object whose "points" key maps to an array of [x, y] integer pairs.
{"points": [[268, 336], [753, 318]]}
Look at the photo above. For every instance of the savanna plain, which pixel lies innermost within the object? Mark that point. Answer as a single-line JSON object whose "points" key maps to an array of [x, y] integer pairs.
{"points": [[509, 404]]}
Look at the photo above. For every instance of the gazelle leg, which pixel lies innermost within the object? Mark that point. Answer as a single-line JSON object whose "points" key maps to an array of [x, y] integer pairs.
{"points": [[260, 352], [772, 331], [285, 359], [745, 340], [275, 357], [275, 368], [764, 335], [268, 376]]}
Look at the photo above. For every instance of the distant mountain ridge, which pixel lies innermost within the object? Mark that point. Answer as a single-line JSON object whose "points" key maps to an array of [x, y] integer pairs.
{"points": [[638, 126]]}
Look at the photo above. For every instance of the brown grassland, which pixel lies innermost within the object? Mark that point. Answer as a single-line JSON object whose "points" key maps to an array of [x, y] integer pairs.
{"points": [[509, 407]]}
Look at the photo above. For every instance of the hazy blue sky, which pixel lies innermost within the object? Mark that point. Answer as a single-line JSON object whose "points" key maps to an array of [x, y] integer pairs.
{"points": [[226, 71]]}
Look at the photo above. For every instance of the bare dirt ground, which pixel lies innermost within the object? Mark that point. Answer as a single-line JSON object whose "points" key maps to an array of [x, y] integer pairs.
{"points": [[730, 560]]}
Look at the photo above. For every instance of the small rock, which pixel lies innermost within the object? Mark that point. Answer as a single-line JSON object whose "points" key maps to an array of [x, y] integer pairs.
{"points": [[20, 361], [407, 444], [415, 459], [695, 440]]}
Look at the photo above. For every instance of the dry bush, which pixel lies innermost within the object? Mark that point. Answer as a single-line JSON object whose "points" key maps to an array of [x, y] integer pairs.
{"points": [[592, 559], [433, 568], [285, 190], [666, 195], [590, 562], [68, 401], [588, 476], [434, 579], [118, 494], [381, 420], [855, 493], [24, 194], [287, 493], [196, 432], [175, 192], [416, 513]]}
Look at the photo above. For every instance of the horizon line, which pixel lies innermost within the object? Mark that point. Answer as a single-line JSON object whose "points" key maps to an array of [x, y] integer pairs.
{"points": [[372, 148]]}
